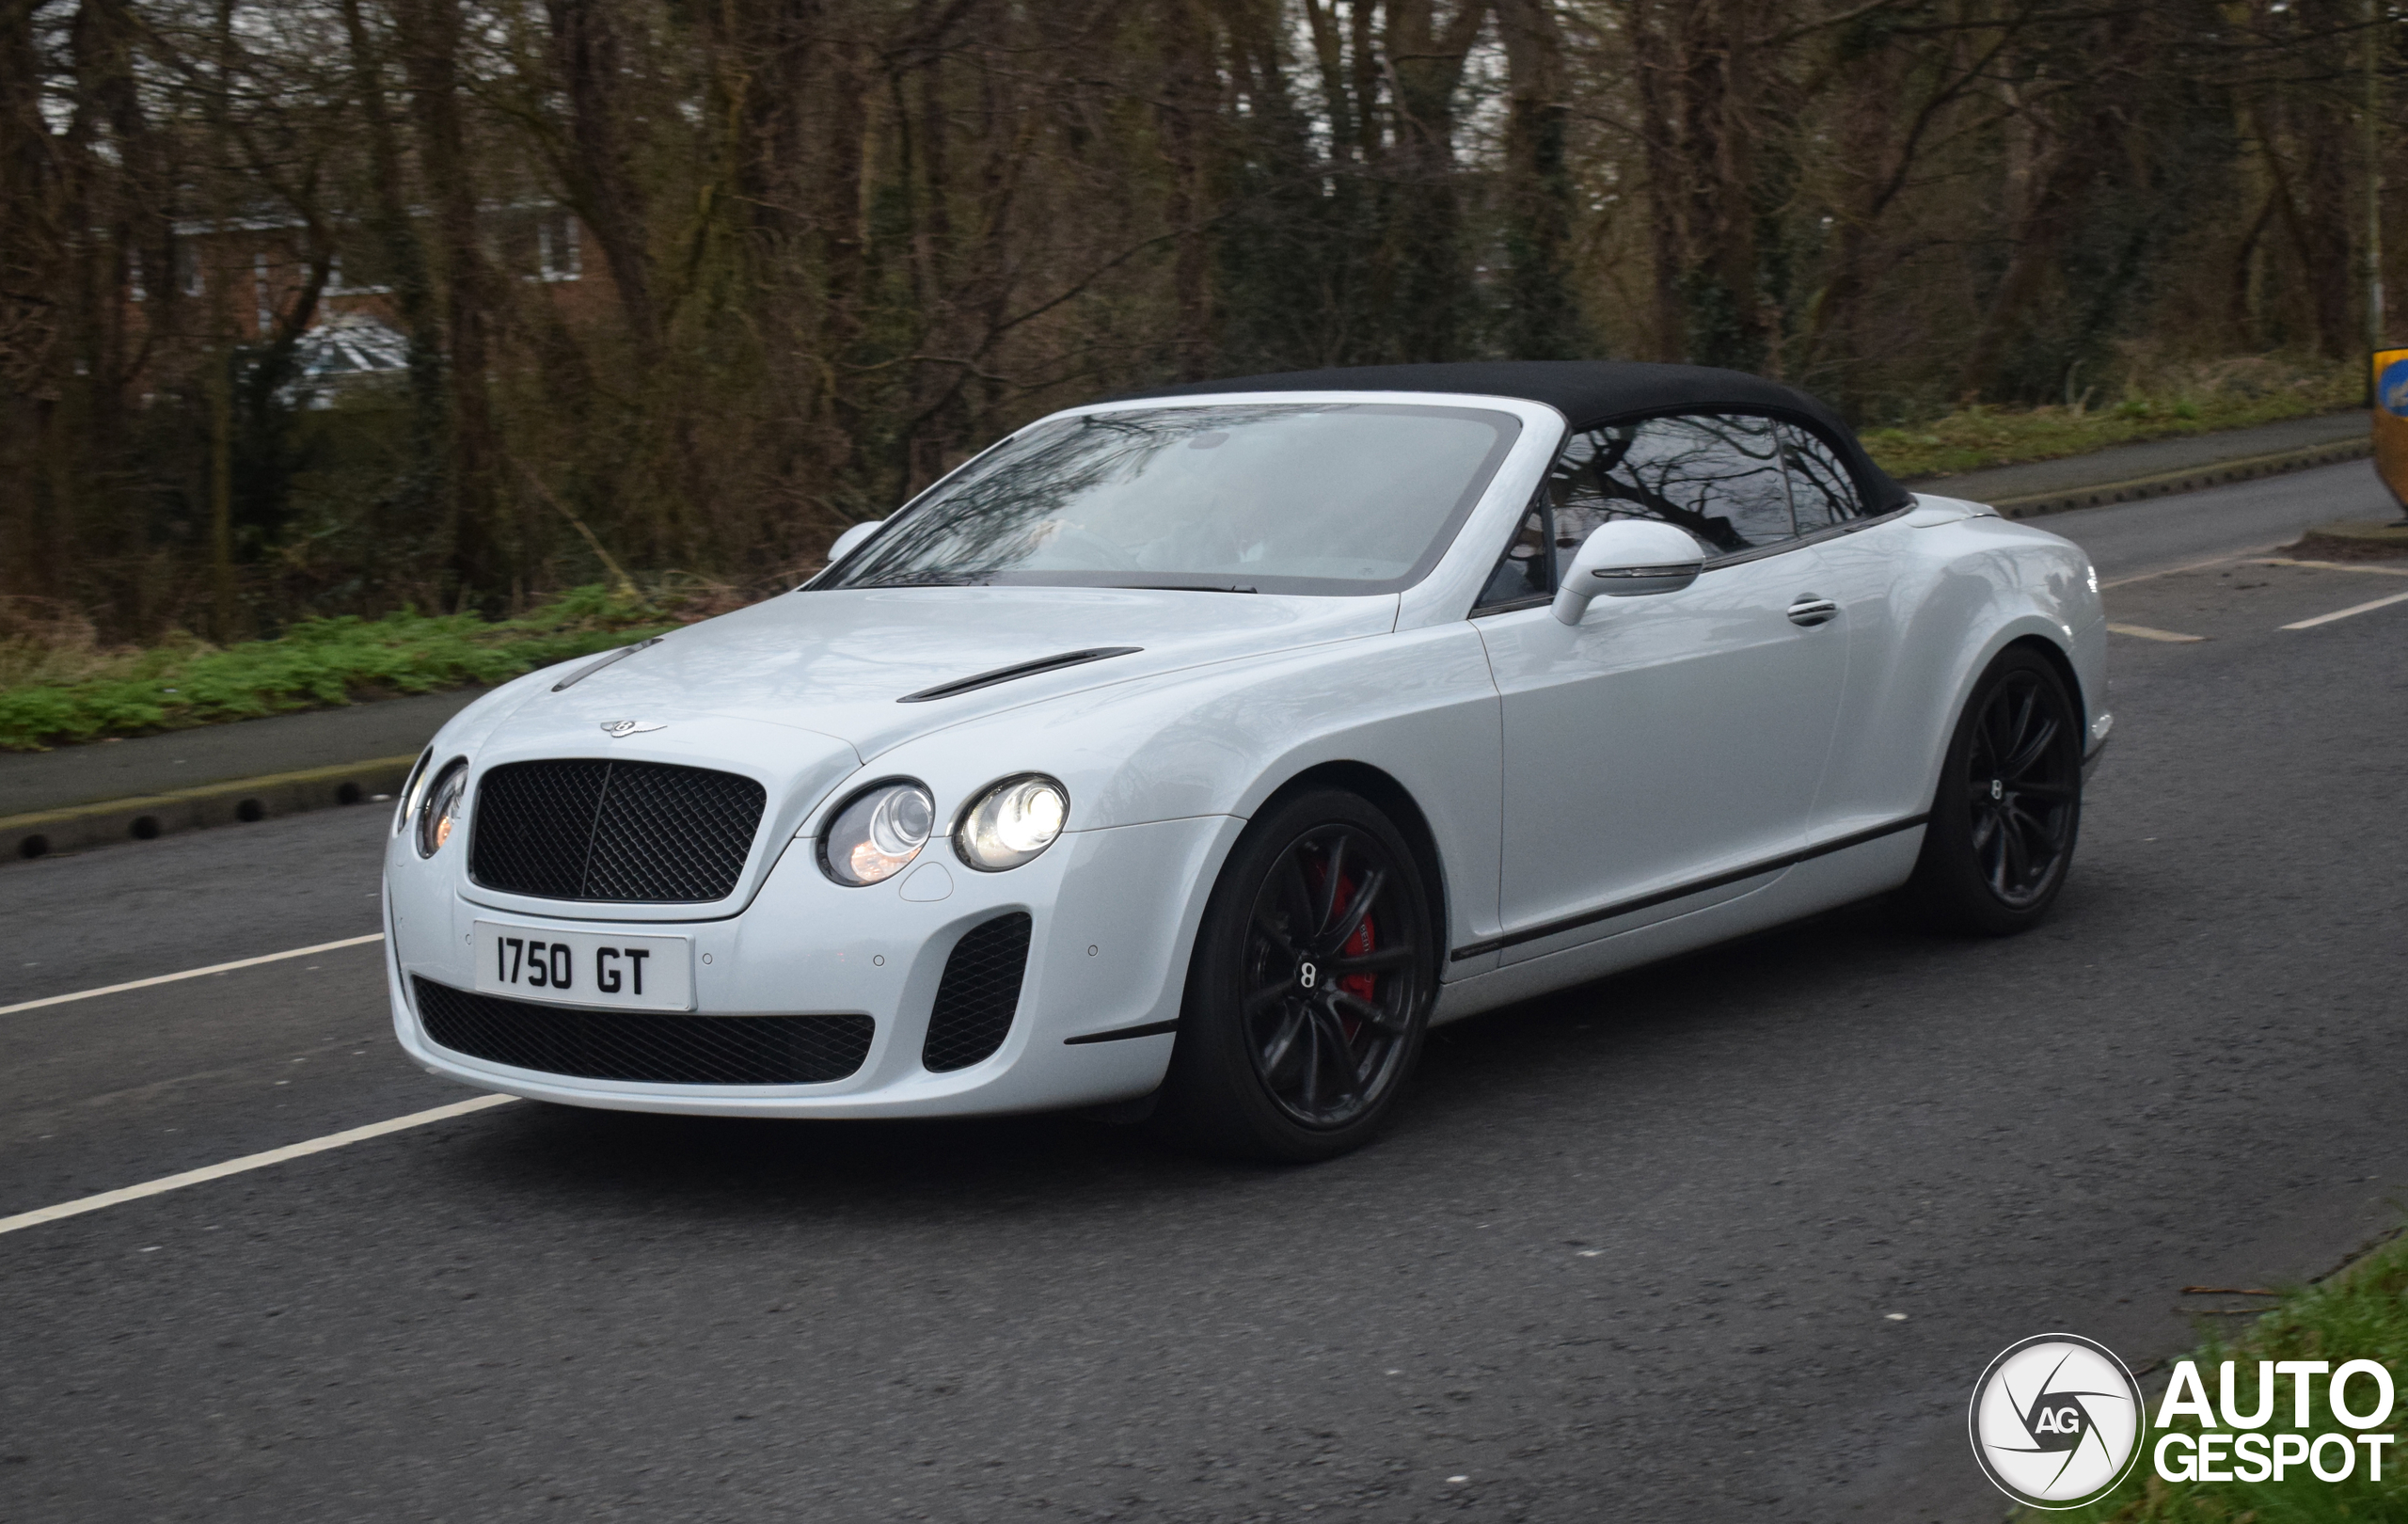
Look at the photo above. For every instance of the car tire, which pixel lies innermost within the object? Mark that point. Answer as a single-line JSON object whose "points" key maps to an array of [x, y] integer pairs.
{"points": [[2007, 809], [1306, 1003]]}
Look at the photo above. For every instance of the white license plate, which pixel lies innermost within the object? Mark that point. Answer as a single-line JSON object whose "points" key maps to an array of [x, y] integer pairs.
{"points": [[585, 968]]}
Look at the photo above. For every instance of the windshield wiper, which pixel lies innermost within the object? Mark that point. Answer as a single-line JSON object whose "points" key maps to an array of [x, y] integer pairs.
{"points": [[931, 579], [1186, 587]]}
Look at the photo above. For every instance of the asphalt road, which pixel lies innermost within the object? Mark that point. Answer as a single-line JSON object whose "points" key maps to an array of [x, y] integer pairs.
{"points": [[1631, 1252], [2129, 539]]}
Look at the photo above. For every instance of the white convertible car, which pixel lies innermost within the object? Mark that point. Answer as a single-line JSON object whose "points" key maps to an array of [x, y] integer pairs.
{"points": [[1197, 751]]}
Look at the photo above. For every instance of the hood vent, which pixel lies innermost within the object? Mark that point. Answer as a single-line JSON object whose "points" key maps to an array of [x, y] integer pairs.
{"points": [[1025, 668], [592, 667]]}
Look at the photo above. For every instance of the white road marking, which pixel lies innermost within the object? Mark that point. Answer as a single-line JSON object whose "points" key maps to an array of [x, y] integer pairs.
{"points": [[2344, 613], [2338, 566], [250, 1161], [2147, 634], [191, 974], [2186, 566]]}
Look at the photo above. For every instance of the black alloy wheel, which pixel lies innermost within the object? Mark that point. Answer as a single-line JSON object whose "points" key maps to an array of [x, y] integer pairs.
{"points": [[2022, 780], [1329, 1002], [1309, 989], [2008, 808]]}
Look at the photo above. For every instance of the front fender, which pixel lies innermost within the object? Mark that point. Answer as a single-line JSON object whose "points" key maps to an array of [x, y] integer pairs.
{"points": [[466, 732], [1418, 706]]}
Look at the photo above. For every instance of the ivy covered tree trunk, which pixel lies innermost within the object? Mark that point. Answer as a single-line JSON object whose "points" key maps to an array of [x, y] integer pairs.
{"points": [[1542, 316], [482, 553]]}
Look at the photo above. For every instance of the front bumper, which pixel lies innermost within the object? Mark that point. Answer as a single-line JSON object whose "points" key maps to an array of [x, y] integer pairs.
{"points": [[2100, 731], [1113, 913]]}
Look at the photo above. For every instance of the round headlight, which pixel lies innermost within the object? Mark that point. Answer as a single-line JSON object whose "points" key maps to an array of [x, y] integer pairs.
{"points": [[410, 786], [1012, 822], [438, 819], [876, 836]]}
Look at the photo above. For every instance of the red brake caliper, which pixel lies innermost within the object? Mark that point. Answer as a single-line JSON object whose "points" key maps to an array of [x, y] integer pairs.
{"points": [[1361, 986]]}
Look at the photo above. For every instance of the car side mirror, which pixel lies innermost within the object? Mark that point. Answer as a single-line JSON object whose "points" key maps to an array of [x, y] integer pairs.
{"points": [[1626, 558], [850, 540]]}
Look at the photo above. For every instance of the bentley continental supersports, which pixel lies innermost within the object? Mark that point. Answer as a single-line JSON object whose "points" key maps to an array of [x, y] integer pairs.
{"points": [[1191, 754]]}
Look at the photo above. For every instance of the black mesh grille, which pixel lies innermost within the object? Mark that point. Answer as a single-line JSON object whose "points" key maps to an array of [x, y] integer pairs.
{"points": [[645, 1046], [978, 994], [621, 831], [535, 825]]}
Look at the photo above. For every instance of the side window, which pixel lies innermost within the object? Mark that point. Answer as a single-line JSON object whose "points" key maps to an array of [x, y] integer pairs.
{"points": [[1525, 570], [1819, 486], [1718, 476]]}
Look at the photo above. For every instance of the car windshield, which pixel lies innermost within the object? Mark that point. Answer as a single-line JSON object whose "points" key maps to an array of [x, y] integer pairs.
{"points": [[1318, 497]]}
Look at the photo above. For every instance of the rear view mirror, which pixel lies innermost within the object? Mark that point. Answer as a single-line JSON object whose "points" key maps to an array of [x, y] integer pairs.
{"points": [[1626, 558], [850, 540]]}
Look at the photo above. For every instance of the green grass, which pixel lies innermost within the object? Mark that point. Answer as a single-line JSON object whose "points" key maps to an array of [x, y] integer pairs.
{"points": [[2361, 1313], [65, 695], [1978, 436]]}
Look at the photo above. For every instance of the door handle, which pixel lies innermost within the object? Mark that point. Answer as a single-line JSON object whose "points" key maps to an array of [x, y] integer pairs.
{"points": [[1809, 610]]}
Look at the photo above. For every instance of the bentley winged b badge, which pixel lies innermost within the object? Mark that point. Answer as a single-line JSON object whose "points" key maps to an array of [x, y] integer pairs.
{"points": [[620, 729]]}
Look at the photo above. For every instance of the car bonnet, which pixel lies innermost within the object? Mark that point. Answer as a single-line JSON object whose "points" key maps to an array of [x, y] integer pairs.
{"points": [[858, 665]]}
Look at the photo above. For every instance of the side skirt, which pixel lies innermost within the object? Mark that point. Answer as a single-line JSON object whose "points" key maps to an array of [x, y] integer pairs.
{"points": [[1681, 891], [1828, 879]]}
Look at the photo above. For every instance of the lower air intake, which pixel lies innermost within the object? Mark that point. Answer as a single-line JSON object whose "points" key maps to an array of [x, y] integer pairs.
{"points": [[643, 1046], [978, 995]]}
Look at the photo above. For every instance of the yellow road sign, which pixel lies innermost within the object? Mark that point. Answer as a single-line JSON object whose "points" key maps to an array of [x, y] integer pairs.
{"points": [[2391, 420]]}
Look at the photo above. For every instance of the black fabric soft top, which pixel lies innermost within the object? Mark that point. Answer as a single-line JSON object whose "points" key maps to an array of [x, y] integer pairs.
{"points": [[1586, 393]]}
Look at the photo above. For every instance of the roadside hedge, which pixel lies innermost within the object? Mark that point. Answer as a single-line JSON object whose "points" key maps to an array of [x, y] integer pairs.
{"points": [[316, 664]]}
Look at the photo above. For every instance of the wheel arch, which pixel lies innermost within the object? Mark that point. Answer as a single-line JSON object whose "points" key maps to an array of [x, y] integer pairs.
{"points": [[1965, 668], [1397, 802], [2062, 661]]}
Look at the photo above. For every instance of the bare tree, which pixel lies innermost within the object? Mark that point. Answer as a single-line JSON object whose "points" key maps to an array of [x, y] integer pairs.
{"points": [[824, 249]]}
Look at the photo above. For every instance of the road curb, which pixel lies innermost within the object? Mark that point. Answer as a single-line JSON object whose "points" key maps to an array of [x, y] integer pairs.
{"points": [[239, 801], [2245, 468]]}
